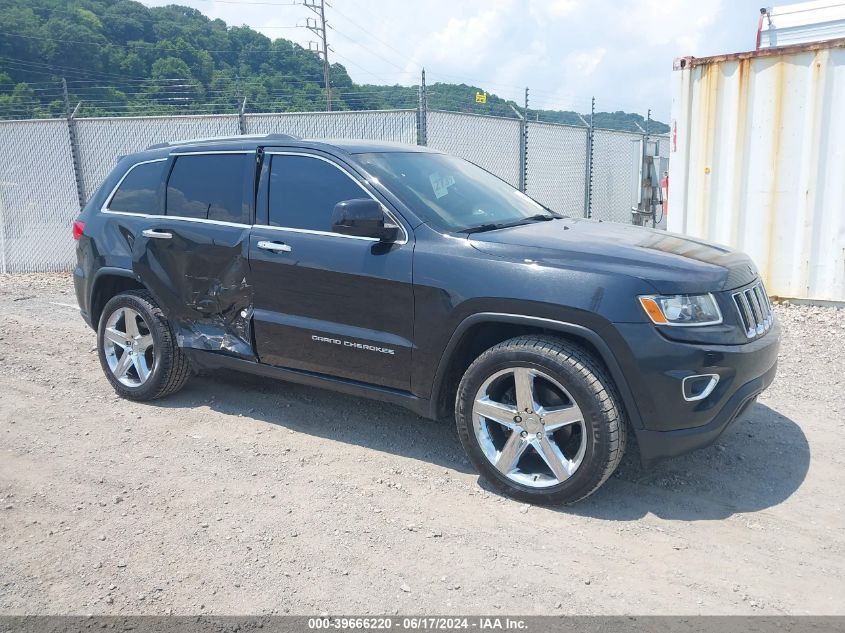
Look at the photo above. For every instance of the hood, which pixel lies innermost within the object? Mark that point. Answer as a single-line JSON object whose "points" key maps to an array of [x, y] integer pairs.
{"points": [[669, 262]]}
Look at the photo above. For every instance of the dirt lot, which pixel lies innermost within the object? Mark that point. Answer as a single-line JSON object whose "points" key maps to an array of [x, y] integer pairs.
{"points": [[244, 496]]}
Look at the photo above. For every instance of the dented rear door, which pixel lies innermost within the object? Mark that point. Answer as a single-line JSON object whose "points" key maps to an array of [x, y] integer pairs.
{"points": [[194, 257]]}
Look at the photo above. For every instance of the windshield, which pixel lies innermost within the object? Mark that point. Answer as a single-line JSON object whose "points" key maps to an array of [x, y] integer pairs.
{"points": [[450, 193]]}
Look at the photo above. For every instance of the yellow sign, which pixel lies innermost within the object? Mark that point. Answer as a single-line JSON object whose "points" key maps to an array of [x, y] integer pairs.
{"points": [[481, 97]]}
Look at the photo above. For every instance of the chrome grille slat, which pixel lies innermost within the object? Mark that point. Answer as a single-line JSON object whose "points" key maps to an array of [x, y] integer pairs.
{"points": [[758, 312], [745, 312], [754, 309], [766, 309]]}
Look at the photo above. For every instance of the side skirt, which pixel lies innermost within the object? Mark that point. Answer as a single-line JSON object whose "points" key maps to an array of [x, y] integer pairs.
{"points": [[203, 359]]}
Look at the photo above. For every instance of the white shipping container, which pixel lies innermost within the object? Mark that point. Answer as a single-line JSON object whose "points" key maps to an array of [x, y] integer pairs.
{"points": [[801, 22], [757, 161]]}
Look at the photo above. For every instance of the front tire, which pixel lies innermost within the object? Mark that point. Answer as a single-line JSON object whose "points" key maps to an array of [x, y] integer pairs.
{"points": [[137, 349], [540, 420]]}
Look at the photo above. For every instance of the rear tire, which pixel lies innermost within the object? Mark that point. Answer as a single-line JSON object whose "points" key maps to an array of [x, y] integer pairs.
{"points": [[556, 430], [137, 348]]}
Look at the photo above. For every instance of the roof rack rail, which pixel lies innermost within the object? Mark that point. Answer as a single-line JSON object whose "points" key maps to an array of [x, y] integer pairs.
{"points": [[244, 137]]}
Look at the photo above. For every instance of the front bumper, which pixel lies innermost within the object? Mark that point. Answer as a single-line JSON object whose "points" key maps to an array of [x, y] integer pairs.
{"points": [[656, 369], [658, 444]]}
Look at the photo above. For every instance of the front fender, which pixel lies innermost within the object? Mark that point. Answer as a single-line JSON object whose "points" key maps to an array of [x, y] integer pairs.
{"points": [[573, 330]]}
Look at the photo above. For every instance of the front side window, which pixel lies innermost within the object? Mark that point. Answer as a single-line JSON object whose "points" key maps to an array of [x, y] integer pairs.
{"points": [[305, 190], [137, 192], [450, 193], [209, 187]]}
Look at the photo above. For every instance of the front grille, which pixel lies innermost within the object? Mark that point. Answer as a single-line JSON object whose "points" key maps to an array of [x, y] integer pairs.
{"points": [[755, 310]]}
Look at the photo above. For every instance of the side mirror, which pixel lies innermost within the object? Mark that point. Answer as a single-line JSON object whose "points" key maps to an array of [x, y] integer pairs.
{"points": [[363, 218]]}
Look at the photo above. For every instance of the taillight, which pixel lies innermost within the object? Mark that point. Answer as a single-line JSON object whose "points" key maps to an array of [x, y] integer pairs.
{"points": [[78, 227]]}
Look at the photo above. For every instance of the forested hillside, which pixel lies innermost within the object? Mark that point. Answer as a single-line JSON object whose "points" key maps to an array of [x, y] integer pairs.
{"points": [[122, 58]]}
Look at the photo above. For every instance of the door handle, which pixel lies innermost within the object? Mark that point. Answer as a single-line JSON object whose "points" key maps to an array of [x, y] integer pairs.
{"points": [[156, 234], [276, 247]]}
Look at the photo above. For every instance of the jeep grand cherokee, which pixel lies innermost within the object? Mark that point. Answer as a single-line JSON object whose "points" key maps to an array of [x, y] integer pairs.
{"points": [[403, 274]]}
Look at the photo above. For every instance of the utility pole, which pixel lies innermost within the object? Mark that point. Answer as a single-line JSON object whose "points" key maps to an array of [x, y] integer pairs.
{"points": [[318, 27]]}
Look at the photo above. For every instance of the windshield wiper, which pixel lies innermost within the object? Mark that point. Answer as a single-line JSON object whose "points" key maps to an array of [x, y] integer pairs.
{"points": [[482, 228], [540, 217]]}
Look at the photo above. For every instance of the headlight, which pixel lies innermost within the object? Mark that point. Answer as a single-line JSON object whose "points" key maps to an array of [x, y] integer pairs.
{"points": [[689, 310]]}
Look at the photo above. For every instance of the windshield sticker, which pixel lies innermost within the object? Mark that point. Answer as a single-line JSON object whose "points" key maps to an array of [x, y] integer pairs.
{"points": [[440, 184]]}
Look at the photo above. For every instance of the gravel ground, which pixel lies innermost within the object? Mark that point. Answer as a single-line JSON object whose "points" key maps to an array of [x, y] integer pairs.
{"points": [[244, 496]]}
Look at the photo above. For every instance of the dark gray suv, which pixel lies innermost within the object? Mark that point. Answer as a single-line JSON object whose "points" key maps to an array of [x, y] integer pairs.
{"points": [[403, 274]]}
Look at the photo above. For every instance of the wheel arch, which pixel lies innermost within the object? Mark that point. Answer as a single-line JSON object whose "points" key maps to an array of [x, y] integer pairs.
{"points": [[479, 332], [109, 282]]}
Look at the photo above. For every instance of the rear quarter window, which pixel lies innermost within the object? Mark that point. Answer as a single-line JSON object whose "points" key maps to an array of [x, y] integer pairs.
{"points": [[138, 190]]}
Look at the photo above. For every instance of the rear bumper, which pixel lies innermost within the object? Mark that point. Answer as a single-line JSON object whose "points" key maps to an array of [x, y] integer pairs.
{"points": [[658, 444], [80, 284]]}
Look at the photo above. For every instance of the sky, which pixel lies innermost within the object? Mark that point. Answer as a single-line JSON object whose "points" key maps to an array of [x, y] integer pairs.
{"points": [[565, 51]]}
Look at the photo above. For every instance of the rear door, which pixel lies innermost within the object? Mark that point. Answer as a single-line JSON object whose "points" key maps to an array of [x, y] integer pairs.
{"points": [[325, 302], [193, 254]]}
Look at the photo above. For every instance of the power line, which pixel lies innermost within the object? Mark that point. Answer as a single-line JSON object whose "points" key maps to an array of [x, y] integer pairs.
{"points": [[375, 37], [346, 37]]}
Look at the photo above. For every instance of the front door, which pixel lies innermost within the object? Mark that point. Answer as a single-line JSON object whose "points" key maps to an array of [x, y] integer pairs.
{"points": [[324, 302]]}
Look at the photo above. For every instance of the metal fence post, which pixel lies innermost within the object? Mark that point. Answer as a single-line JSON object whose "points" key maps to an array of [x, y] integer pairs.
{"points": [[588, 172], [422, 113], [242, 117], [74, 146], [2, 231], [523, 148]]}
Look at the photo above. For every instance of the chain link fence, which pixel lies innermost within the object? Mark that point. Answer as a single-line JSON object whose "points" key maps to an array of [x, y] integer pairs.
{"points": [[557, 166], [38, 186], [399, 126], [38, 198], [103, 141], [616, 174], [490, 142]]}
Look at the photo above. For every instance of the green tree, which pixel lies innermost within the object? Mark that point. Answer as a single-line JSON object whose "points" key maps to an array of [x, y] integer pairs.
{"points": [[120, 56]]}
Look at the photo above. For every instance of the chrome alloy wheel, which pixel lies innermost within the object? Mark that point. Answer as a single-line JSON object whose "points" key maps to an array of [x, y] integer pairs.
{"points": [[529, 427], [128, 346]]}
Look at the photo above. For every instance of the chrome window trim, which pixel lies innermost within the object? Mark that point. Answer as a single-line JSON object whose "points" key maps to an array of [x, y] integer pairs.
{"points": [[105, 207], [354, 179], [155, 216], [286, 229]]}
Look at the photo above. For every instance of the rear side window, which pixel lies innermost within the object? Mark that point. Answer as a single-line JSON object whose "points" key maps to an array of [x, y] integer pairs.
{"points": [[137, 192], [304, 192], [209, 187]]}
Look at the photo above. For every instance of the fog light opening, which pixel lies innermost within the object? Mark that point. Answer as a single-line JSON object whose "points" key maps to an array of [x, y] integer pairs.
{"points": [[698, 387]]}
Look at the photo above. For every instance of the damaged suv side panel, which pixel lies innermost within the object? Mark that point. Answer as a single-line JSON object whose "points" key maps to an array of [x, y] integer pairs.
{"points": [[201, 274], [187, 243], [194, 258]]}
